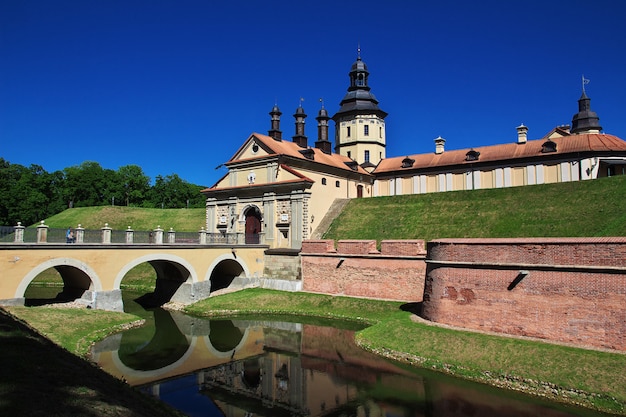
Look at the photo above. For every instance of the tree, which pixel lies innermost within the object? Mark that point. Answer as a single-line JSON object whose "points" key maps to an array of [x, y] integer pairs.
{"points": [[173, 192], [134, 184], [88, 184]]}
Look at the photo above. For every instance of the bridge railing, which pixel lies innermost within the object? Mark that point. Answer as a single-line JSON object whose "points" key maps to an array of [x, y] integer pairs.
{"points": [[106, 235]]}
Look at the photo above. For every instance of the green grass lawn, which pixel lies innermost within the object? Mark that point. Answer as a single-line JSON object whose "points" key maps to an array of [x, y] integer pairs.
{"points": [[575, 209], [119, 218]]}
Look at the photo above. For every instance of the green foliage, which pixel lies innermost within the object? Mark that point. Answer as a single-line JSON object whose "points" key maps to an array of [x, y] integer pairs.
{"points": [[31, 194], [173, 192], [585, 208]]}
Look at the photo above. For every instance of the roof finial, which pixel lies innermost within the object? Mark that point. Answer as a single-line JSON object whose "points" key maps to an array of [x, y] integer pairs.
{"points": [[301, 100], [585, 81], [322, 101], [358, 51]]}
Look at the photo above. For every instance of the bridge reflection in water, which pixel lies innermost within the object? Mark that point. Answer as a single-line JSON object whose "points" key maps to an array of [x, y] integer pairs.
{"points": [[255, 368]]}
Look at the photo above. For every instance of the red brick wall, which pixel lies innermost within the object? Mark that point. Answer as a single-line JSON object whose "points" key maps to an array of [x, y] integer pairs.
{"points": [[574, 290], [357, 269]]}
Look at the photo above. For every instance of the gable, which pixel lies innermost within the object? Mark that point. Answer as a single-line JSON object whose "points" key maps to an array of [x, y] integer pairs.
{"points": [[251, 148]]}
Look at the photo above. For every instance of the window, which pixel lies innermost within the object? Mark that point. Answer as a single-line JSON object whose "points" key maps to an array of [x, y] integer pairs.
{"points": [[472, 155], [348, 131], [349, 154], [367, 156], [380, 132], [548, 146], [337, 184], [407, 162], [366, 130], [323, 181]]}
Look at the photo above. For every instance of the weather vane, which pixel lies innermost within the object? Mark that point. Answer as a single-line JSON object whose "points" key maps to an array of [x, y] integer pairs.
{"points": [[585, 81]]}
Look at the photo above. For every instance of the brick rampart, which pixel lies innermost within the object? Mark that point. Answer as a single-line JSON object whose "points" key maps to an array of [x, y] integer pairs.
{"points": [[562, 289], [357, 269]]}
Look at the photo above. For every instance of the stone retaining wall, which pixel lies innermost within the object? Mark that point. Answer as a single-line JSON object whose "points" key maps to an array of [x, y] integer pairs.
{"points": [[357, 269], [561, 289]]}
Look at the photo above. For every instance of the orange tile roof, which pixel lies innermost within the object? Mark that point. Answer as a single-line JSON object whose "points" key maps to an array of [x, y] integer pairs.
{"points": [[589, 142], [291, 149]]}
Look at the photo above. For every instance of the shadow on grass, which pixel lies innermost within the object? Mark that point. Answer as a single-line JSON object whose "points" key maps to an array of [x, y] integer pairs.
{"points": [[63, 384], [415, 308]]}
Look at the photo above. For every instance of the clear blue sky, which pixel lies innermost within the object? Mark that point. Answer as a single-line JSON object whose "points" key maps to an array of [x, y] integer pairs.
{"points": [[177, 86]]}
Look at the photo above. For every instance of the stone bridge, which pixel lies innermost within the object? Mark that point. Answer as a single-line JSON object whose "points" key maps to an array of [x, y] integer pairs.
{"points": [[93, 273]]}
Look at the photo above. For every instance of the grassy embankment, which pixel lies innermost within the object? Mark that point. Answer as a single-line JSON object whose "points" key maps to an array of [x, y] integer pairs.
{"points": [[575, 209], [119, 218], [594, 208]]}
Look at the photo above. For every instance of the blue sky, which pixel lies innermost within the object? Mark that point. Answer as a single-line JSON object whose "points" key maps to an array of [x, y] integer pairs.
{"points": [[177, 86]]}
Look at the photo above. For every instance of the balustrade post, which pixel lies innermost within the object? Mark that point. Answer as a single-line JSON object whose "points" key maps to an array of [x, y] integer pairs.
{"points": [[130, 235], [171, 236], [19, 233], [202, 237], [42, 233], [158, 235], [80, 234], [106, 234]]}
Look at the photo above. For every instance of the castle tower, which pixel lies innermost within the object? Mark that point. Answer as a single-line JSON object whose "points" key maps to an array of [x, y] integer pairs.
{"points": [[300, 138], [586, 120], [360, 123], [275, 131], [322, 141]]}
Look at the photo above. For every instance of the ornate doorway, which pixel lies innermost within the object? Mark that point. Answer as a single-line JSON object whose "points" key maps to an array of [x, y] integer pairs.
{"points": [[253, 225]]}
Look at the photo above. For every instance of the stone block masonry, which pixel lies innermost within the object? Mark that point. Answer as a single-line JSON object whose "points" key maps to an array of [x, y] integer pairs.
{"points": [[357, 269], [569, 290]]}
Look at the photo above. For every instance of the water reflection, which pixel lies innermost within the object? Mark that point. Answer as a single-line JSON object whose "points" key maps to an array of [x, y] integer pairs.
{"points": [[243, 368]]}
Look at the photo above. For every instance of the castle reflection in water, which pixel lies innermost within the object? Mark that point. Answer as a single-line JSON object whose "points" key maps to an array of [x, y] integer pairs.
{"points": [[239, 368]]}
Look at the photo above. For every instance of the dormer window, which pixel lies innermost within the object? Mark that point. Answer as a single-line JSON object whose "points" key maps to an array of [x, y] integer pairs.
{"points": [[308, 153], [407, 162], [472, 155], [548, 146], [353, 165]]}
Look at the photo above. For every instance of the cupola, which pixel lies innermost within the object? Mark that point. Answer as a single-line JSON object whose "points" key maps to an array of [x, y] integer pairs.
{"points": [[586, 120], [299, 138], [275, 132]]}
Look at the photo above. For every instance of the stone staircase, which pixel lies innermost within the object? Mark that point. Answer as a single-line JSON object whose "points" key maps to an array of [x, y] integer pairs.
{"points": [[335, 209]]}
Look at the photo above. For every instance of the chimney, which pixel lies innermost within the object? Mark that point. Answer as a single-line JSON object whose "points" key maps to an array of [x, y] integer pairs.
{"points": [[275, 130], [439, 142], [522, 133], [299, 138], [322, 142]]}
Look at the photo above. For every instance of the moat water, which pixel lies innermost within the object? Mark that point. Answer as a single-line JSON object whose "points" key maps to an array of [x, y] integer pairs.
{"points": [[268, 367]]}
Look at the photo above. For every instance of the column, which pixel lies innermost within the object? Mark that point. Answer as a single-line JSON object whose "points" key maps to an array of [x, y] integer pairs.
{"points": [[42, 233], [19, 233], [106, 234], [158, 235], [129, 235], [80, 234]]}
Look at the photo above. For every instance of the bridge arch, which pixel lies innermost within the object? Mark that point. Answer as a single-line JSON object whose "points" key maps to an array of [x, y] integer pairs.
{"points": [[77, 276], [171, 273], [224, 269], [160, 261]]}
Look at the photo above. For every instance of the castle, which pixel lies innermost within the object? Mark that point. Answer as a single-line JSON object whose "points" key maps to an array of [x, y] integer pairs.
{"points": [[277, 191]]}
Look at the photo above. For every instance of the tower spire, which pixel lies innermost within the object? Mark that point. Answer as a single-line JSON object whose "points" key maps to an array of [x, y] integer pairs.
{"points": [[586, 120]]}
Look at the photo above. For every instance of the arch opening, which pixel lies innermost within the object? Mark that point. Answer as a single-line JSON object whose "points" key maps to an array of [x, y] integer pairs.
{"points": [[56, 285], [168, 277], [224, 273], [253, 225]]}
